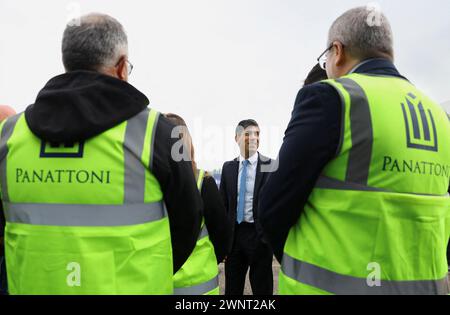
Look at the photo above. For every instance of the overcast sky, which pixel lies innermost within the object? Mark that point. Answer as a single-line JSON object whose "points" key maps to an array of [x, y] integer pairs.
{"points": [[216, 62]]}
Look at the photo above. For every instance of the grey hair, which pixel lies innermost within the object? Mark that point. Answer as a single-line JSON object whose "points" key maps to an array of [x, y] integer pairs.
{"points": [[363, 38], [92, 42]]}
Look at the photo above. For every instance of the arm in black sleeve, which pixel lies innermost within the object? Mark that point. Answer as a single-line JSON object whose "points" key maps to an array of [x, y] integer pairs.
{"points": [[311, 140], [219, 229], [3, 285], [2, 226], [181, 195], [223, 188], [448, 244], [448, 255]]}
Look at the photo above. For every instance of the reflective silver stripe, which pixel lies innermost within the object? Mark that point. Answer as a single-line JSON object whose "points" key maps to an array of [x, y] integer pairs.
{"points": [[152, 146], [325, 182], [332, 282], [331, 183], [166, 213], [133, 145], [362, 133], [7, 130], [203, 232], [199, 289], [342, 131], [83, 215]]}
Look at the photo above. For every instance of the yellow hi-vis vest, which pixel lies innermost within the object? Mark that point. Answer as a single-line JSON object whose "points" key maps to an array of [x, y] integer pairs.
{"points": [[85, 218], [199, 274], [377, 221]]}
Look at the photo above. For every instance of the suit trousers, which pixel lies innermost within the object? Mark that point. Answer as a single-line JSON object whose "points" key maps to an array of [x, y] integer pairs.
{"points": [[248, 251], [3, 286]]}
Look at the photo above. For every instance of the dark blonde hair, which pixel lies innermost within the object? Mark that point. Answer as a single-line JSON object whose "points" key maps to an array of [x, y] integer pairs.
{"points": [[186, 136]]}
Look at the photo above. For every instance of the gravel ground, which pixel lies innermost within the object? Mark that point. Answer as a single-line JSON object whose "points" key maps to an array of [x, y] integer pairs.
{"points": [[248, 289]]}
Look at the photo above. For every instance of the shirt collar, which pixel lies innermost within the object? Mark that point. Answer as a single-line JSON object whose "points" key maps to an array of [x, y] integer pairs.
{"points": [[253, 159], [360, 65], [377, 66]]}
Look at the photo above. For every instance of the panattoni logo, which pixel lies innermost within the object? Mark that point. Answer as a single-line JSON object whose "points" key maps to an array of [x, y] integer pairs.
{"points": [[420, 125]]}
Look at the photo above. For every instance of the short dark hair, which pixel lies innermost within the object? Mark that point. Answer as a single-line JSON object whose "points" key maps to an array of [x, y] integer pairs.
{"points": [[315, 75], [244, 124], [176, 119]]}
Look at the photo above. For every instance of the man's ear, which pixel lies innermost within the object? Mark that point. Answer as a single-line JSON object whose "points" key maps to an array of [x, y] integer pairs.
{"points": [[339, 51], [121, 69]]}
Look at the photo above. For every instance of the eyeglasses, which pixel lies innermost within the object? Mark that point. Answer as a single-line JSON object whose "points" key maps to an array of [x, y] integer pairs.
{"points": [[323, 58], [129, 65]]}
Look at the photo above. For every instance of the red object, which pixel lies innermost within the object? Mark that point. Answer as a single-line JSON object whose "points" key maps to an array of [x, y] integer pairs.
{"points": [[6, 111]]}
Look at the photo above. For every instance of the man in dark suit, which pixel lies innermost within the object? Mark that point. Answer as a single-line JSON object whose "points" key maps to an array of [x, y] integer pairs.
{"points": [[240, 184]]}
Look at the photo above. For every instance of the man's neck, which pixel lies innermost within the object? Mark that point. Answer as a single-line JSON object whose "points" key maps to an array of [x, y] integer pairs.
{"points": [[248, 156]]}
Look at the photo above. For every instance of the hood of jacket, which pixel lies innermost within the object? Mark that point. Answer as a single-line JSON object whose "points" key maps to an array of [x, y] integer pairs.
{"points": [[78, 105]]}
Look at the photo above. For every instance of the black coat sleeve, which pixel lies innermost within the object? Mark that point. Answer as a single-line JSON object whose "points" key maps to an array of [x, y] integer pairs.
{"points": [[2, 227], [3, 285], [223, 188], [182, 198], [216, 218], [448, 254], [311, 140], [448, 240], [2, 224]]}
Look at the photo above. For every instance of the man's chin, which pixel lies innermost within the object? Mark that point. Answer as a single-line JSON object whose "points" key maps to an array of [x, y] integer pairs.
{"points": [[252, 152]]}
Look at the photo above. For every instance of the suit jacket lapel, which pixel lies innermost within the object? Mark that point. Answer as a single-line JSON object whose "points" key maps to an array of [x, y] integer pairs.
{"points": [[258, 178], [234, 183]]}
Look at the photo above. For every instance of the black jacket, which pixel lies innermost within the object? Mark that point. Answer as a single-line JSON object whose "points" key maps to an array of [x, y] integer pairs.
{"points": [[78, 105], [311, 141], [216, 220], [228, 189]]}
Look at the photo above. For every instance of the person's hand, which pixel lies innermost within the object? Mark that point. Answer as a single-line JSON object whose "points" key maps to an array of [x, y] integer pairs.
{"points": [[225, 259]]}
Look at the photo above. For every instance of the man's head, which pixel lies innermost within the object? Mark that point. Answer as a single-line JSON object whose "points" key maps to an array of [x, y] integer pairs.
{"points": [[315, 75], [354, 37], [96, 42], [247, 137]]}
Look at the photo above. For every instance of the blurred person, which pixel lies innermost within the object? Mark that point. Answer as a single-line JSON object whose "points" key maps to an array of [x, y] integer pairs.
{"points": [[240, 185], [448, 256], [199, 274], [359, 202], [315, 75], [93, 201], [5, 112]]}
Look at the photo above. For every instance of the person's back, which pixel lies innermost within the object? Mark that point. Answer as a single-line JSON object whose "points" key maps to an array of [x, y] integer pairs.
{"points": [[5, 112], [199, 274], [385, 187], [83, 188], [84, 227], [374, 221]]}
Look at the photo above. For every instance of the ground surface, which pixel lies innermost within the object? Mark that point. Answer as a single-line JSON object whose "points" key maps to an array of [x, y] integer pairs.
{"points": [[248, 289]]}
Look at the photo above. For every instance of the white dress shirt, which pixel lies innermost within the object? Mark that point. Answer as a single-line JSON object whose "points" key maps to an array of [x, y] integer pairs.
{"points": [[250, 185]]}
